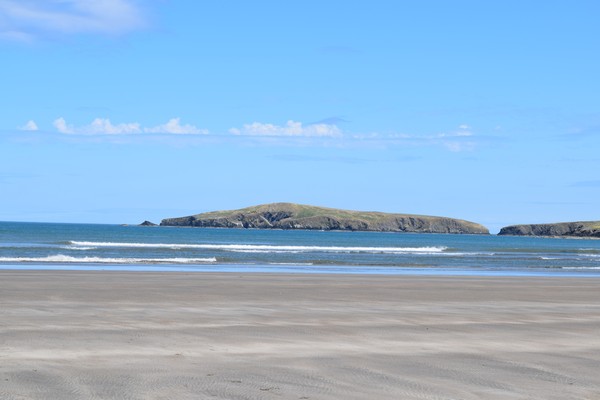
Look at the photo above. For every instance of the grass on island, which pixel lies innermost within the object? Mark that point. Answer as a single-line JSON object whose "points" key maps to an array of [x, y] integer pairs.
{"points": [[301, 211]]}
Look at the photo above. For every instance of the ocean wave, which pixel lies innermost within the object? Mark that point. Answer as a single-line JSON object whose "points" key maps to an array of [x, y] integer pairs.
{"points": [[588, 250], [592, 256], [80, 248], [60, 258], [267, 248]]}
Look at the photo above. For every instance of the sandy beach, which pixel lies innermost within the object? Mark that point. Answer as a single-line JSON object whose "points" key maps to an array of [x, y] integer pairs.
{"points": [[126, 335]]}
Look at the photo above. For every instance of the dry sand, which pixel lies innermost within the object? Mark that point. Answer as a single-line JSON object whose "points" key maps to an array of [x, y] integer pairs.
{"points": [[123, 335]]}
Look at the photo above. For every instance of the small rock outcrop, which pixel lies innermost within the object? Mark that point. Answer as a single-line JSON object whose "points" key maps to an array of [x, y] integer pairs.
{"points": [[561, 229], [297, 216], [148, 223]]}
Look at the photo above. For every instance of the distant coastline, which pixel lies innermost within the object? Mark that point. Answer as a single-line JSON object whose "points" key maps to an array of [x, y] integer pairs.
{"points": [[298, 216], [580, 229]]}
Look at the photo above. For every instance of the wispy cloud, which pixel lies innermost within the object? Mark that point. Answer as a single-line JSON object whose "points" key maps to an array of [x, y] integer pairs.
{"points": [[27, 20], [290, 129], [330, 121], [460, 139], [29, 126], [103, 126], [457, 140]]}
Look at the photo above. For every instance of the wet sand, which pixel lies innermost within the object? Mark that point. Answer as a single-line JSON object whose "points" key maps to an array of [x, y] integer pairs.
{"points": [[125, 335]]}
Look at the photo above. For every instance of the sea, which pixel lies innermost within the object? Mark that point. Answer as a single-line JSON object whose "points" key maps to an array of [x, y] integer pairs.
{"points": [[54, 246]]}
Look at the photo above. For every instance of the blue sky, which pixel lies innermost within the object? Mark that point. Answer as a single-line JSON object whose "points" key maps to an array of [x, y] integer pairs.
{"points": [[119, 111]]}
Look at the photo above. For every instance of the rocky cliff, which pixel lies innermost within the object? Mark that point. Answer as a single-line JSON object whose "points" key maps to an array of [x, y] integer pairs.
{"points": [[296, 216], [574, 229]]}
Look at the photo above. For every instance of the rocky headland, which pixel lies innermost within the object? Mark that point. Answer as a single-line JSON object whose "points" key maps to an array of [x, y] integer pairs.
{"points": [[297, 216], [561, 229]]}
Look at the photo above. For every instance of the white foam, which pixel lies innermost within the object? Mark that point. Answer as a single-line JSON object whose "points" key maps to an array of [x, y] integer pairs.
{"points": [[590, 255], [268, 248], [60, 258], [294, 264], [266, 251]]}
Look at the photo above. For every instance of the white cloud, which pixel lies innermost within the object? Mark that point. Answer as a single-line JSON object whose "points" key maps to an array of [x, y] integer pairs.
{"points": [[25, 20], [99, 126], [460, 139], [290, 129], [29, 126], [61, 125], [103, 126], [173, 126]]}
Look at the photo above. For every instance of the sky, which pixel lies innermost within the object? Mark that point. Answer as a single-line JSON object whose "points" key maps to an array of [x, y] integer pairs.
{"points": [[120, 111]]}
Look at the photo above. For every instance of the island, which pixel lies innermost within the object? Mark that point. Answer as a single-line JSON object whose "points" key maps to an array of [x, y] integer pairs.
{"points": [[298, 216], [589, 229]]}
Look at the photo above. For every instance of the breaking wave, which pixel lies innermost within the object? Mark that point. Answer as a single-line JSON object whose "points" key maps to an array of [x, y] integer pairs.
{"points": [[60, 258], [253, 248]]}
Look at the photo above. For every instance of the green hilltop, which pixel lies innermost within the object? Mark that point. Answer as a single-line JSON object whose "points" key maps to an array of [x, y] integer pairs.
{"points": [[299, 216]]}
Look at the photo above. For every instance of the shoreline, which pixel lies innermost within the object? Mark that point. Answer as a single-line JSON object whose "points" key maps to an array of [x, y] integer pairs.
{"points": [[299, 269], [126, 335]]}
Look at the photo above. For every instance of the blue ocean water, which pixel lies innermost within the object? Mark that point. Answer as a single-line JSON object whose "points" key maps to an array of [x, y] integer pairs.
{"points": [[115, 247]]}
